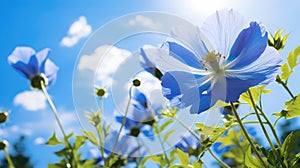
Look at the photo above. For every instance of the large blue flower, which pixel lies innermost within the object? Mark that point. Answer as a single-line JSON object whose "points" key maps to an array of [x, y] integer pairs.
{"points": [[219, 61], [33, 65]]}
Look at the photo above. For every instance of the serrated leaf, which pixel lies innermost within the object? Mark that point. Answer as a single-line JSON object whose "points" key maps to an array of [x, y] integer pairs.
{"points": [[91, 137], [293, 108], [250, 161], [209, 130], [52, 141], [168, 134], [183, 157], [286, 72], [165, 125], [292, 58]]}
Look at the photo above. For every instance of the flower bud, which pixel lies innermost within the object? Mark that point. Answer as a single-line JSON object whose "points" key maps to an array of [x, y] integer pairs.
{"points": [[278, 40], [3, 117], [100, 92], [3, 144], [135, 131], [136, 82]]}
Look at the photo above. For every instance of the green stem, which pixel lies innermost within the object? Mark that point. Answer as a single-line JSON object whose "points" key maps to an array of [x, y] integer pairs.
{"points": [[100, 134], [278, 79], [194, 134], [276, 121], [188, 129], [161, 144], [218, 160], [247, 135], [9, 161], [264, 129], [122, 125], [271, 127], [51, 104], [54, 110]]}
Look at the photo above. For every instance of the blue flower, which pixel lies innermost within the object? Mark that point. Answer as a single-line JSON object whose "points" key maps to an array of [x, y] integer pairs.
{"points": [[147, 60], [142, 114], [34, 66], [127, 149], [190, 144], [219, 61]]}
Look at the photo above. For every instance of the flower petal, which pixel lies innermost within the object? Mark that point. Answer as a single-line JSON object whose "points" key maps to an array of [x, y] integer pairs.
{"points": [[184, 55], [222, 28], [260, 72], [191, 38], [24, 61], [50, 71], [41, 58], [184, 89], [249, 45], [21, 54], [23, 69], [139, 100]]}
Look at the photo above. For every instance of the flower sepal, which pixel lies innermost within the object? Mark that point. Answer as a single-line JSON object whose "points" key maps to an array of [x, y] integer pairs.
{"points": [[37, 81]]}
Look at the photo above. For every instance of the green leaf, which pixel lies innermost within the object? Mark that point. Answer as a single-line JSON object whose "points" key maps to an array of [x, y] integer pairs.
{"points": [[91, 137], [63, 152], [197, 164], [255, 92], [113, 160], [289, 143], [250, 161], [52, 141], [292, 108], [79, 141], [170, 112], [181, 166], [168, 134], [292, 58], [286, 72], [166, 124], [154, 158], [183, 157], [209, 130]]}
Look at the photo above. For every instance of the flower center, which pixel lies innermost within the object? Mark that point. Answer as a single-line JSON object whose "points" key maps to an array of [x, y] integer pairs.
{"points": [[211, 62]]}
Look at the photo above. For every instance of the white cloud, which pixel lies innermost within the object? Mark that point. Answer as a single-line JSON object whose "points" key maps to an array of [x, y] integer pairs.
{"points": [[104, 61], [140, 20], [78, 30], [39, 141], [31, 100]]}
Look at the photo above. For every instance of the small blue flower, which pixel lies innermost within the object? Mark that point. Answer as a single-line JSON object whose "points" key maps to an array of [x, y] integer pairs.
{"points": [[147, 60], [126, 148], [34, 65], [142, 114], [219, 61], [189, 144]]}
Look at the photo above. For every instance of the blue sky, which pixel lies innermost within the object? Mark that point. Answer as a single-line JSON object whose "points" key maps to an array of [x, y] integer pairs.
{"points": [[43, 24]]}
